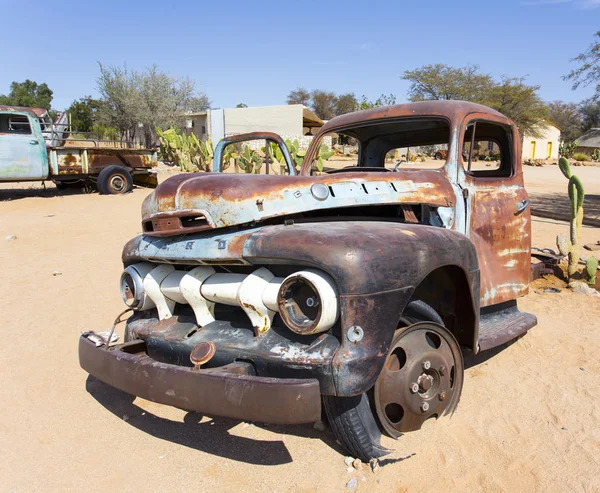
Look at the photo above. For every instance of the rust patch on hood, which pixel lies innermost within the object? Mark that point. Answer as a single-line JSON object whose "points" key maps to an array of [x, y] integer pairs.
{"points": [[229, 200]]}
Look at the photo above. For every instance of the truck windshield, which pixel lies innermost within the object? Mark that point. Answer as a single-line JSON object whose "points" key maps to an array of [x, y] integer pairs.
{"points": [[408, 143]]}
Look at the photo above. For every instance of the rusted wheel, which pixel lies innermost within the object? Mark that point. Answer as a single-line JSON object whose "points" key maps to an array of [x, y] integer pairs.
{"points": [[422, 378], [114, 180], [358, 421]]}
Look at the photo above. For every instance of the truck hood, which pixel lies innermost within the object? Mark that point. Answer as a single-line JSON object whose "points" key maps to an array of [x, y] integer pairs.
{"points": [[189, 203]]}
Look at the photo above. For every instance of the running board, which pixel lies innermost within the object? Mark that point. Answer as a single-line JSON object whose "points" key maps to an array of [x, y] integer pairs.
{"points": [[503, 323]]}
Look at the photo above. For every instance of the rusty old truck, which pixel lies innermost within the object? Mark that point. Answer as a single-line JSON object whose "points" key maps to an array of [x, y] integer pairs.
{"points": [[352, 292], [34, 148]]}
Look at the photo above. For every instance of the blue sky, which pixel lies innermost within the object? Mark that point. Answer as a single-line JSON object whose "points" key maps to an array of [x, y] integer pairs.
{"points": [[256, 52]]}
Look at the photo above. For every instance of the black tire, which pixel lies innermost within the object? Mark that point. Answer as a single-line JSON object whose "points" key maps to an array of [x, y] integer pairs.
{"points": [[353, 419], [114, 180], [354, 425], [437, 156]]}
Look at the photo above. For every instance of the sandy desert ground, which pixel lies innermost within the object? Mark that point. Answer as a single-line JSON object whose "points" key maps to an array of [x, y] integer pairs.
{"points": [[529, 418]]}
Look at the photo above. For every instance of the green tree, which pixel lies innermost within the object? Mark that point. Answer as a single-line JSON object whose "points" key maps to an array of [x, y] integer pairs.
{"points": [[28, 93], [588, 72], [141, 101], [383, 100], [521, 103], [590, 115], [345, 103], [567, 118], [299, 96], [441, 81], [511, 96], [323, 103], [83, 113], [241, 105]]}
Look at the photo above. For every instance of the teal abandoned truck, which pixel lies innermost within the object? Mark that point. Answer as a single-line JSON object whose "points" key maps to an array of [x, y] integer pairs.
{"points": [[34, 148]]}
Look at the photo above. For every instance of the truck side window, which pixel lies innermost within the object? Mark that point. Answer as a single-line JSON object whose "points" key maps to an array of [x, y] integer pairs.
{"points": [[487, 150], [14, 124]]}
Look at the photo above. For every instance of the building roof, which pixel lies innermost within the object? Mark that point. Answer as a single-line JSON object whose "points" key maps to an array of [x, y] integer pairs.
{"points": [[310, 119], [590, 139], [35, 112]]}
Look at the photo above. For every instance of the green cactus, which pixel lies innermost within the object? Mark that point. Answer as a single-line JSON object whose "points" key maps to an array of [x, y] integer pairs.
{"points": [[591, 267], [249, 160], [296, 153], [187, 152], [565, 167], [276, 156], [229, 154], [323, 154], [570, 246]]}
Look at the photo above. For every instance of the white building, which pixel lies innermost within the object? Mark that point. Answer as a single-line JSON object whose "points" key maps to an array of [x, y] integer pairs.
{"points": [[293, 121], [545, 147]]}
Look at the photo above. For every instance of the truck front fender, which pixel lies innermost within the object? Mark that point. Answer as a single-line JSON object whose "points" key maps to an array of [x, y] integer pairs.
{"points": [[377, 266]]}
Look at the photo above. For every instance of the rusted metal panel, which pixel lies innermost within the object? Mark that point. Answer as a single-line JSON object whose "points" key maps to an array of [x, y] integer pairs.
{"points": [[274, 400], [214, 247], [70, 162], [367, 259], [502, 239], [499, 229], [503, 324], [33, 112], [273, 354], [101, 157], [228, 200]]}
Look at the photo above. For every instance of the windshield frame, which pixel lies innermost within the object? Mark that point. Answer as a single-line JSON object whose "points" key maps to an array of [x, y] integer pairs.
{"points": [[307, 166]]}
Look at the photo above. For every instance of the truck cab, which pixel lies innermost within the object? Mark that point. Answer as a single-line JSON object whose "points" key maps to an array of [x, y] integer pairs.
{"points": [[23, 155]]}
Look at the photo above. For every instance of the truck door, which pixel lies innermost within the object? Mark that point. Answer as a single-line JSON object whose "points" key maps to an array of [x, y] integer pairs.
{"points": [[498, 218], [23, 153]]}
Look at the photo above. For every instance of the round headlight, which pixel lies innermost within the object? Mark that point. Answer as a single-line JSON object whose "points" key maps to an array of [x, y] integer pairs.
{"points": [[128, 289], [308, 302], [132, 286]]}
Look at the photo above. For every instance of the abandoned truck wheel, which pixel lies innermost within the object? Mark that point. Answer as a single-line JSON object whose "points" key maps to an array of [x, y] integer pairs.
{"points": [[354, 425], [114, 180], [422, 378]]}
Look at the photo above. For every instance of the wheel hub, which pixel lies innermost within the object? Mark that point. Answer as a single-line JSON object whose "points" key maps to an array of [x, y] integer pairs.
{"points": [[421, 378], [425, 382], [117, 183]]}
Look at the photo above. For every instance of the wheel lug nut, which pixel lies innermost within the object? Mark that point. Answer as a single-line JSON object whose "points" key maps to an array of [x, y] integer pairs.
{"points": [[442, 396], [426, 365], [442, 370], [414, 388], [425, 406]]}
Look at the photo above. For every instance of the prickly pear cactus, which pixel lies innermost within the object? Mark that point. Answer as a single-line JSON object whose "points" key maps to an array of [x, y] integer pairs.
{"points": [[591, 267], [569, 246]]}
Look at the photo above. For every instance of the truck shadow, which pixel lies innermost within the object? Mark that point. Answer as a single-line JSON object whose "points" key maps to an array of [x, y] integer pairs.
{"points": [[558, 206], [9, 194], [212, 437], [471, 360]]}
